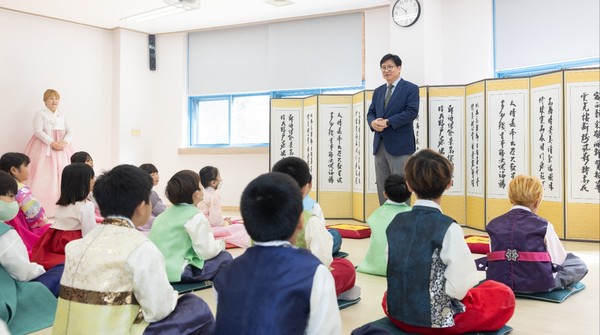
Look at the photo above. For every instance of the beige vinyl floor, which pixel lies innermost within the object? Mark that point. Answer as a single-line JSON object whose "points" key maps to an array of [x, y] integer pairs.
{"points": [[577, 315]]}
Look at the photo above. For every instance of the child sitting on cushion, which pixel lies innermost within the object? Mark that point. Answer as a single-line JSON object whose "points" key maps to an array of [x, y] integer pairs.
{"points": [[315, 236], [526, 253], [30, 222], [183, 235], [431, 274], [396, 193], [26, 302], [114, 280], [313, 207], [211, 208], [285, 290]]}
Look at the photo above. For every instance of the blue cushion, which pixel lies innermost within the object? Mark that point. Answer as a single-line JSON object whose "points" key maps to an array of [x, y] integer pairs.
{"points": [[556, 296], [347, 303], [384, 326]]}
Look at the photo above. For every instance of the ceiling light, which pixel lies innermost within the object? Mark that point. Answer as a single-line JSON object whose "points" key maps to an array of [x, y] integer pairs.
{"points": [[154, 14], [277, 3], [185, 4]]}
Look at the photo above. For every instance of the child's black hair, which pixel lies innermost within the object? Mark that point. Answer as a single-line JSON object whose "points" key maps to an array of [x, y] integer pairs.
{"points": [[271, 206], [119, 191], [428, 173], [13, 159], [149, 167], [396, 189], [80, 157], [181, 187], [208, 174], [294, 167], [8, 184], [75, 183]]}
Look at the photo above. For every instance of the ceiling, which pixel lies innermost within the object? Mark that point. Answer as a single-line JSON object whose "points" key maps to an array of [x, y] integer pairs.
{"points": [[212, 13]]}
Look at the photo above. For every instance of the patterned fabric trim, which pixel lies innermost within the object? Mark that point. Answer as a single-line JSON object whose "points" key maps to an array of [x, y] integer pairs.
{"points": [[117, 222], [97, 298], [443, 307]]}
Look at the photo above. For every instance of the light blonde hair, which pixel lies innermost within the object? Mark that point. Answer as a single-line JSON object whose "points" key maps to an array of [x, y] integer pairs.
{"points": [[525, 190], [50, 92]]}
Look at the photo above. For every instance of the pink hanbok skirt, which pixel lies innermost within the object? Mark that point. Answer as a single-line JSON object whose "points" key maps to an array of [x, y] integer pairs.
{"points": [[235, 234], [45, 170]]}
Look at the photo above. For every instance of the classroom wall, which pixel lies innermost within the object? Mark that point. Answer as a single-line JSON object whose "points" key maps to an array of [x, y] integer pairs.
{"points": [[40, 53], [122, 112]]}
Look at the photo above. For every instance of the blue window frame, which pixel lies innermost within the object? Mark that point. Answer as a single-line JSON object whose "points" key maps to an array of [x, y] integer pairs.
{"points": [[240, 120]]}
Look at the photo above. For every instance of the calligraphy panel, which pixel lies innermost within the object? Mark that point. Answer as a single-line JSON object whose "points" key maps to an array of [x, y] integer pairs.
{"points": [[309, 152], [582, 110], [508, 130], [546, 145], [335, 155], [358, 156], [286, 129], [475, 154], [446, 135]]}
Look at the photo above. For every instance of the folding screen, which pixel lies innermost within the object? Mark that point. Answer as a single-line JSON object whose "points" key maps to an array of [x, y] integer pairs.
{"points": [[507, 107], [546, 145], [582, 110], [475, 154], [334, 121], [446, 135]]}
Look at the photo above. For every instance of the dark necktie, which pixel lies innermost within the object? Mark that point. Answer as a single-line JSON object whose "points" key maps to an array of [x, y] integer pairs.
{"points": [[388, 95]]}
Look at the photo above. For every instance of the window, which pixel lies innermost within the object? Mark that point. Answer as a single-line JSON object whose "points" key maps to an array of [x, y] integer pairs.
{"points": [[240, 120]]}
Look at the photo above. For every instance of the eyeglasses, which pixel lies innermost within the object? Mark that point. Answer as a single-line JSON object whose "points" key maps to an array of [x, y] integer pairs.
{"points": [[388, 68]]}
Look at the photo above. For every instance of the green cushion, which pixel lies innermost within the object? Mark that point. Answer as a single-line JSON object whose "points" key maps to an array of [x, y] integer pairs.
{"points": [[191, 287], [556, 296]]}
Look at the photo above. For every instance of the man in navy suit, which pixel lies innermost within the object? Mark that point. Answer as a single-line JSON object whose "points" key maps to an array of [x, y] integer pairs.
{"points": [[393, 109]]}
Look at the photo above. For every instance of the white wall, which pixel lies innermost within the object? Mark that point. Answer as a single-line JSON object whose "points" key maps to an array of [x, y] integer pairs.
{"points": [[39, 53], [108, 90], [450, 44]]}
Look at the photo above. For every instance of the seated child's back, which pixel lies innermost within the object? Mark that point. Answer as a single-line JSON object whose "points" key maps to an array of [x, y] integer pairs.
{"points": [[533, 242], [430, 270], [114, 280], [397, 194], [26, 303], [286, 290], [183, 235]]}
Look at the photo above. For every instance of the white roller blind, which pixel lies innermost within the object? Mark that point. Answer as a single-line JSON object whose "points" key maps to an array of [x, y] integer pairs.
{"points": [[538, 32], [309, 53]]}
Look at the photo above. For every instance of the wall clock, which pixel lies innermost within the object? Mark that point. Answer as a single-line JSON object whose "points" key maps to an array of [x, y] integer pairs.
{"points": [[406, 12]]}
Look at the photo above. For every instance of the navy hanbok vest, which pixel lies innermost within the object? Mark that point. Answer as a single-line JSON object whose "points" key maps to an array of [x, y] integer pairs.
{"points": [[415, 240], [519, 258], [266, 290]]}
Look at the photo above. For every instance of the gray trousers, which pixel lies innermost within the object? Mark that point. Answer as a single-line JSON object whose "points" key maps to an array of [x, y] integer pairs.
{"points": [[573, 269], [385, 165]]}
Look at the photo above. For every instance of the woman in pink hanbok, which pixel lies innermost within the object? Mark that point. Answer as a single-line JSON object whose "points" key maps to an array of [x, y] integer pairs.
{"points": [[50, 151]]}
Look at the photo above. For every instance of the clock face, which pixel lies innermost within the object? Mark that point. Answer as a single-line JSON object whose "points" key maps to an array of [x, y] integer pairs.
{"points": [[406, 12]]}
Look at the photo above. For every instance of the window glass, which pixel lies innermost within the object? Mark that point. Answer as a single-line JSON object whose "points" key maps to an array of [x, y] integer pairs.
{"points": [[250, 119], [212, 122]]}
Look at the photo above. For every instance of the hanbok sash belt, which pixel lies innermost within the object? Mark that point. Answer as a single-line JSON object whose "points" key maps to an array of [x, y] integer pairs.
{"points": [[512, 255]]}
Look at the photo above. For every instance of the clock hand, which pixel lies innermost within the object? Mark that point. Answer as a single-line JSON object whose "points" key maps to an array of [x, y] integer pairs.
{"points": [[405, 12]]}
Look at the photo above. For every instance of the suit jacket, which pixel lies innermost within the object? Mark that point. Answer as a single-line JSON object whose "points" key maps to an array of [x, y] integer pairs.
{"points": [[401, 111]]}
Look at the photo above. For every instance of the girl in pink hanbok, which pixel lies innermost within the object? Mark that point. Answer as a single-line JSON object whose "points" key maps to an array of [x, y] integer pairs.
{"points": [[234, 234], [50, 151], [30, 222]]}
